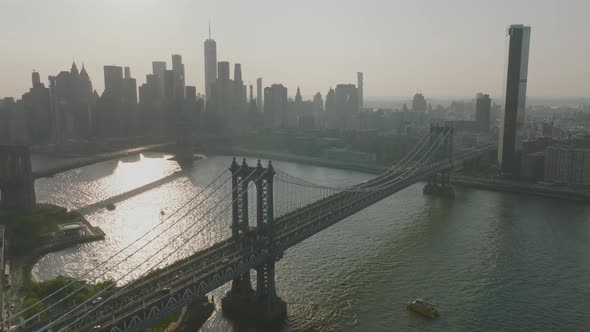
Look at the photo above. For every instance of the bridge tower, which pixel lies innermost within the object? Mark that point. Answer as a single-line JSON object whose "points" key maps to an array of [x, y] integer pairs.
{"points": [[242, 302], [440, 184], [17, 186]]}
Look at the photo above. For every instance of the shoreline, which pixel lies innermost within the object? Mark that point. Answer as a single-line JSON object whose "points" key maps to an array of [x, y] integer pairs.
{"points": [[517, 187]]}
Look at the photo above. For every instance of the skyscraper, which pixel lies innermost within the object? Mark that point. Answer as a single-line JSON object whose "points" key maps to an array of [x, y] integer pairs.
{"points": [[346, 106], [191, 93], [113, 81], [275, 106], [330, 109], [239, 97], [511, 129], [36, 79], [359, 77], [419, 103], [483, 105], [221, 91], [178, 71], [210, 65], [223, 70], [259, 92], [318, 110], [129, 87], [158, 69], [168, 84]]}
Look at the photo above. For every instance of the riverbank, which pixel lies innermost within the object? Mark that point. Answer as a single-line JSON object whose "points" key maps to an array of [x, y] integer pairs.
{"points": [[558, 192], [47, 228]]}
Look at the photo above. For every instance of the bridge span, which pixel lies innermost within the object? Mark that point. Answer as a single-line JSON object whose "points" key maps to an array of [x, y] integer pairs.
{"points": [[140, 303]]}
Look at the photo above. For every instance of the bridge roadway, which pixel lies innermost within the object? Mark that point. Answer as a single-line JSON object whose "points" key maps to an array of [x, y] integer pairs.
{"points": [[164, 291]]}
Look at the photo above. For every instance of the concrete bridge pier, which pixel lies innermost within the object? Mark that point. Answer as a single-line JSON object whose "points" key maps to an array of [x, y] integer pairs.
{"points": [[255, 308], [440, 185]]}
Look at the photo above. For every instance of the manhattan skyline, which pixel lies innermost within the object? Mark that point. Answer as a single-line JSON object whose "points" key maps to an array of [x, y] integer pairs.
{"points": [[430, 44]]}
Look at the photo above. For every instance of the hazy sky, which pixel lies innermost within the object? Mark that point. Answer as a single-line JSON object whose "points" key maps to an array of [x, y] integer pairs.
{"points": [[442, 48]]}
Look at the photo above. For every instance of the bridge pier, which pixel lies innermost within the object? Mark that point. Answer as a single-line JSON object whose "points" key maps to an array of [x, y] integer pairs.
{"points": [[242, 303], [257, 308], [17, 186], [440, 185]]}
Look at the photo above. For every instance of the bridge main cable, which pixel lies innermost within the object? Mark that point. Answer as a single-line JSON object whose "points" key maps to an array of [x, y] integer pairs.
{"points": [[89, 271], [148, 258], [163, 259], [420, 144], [359, 187]]}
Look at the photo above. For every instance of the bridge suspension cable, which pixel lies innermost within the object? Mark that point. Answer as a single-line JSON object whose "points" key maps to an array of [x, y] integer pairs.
{"points": [[83, 304], [89, 271], [397, 180], [65, 328], [368, 186], [415, 150]]}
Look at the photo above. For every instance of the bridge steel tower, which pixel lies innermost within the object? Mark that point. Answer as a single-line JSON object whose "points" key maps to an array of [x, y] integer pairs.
{"points": [[440, 184], [242, 302], [17, 186]]}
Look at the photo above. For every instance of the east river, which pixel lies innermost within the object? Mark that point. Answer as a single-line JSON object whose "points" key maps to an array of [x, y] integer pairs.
{"points": [[491, 261]]}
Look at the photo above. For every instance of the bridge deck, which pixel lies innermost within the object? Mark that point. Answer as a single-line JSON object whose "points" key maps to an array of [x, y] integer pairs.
{"points": [[186, 280]]}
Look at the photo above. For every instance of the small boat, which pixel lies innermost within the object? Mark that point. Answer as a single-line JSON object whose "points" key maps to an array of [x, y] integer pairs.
{"points": [[110, 206], [423, 308]]}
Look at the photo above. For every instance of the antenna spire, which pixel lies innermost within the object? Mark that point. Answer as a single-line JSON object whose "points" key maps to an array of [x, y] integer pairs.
{"points": [[209, 27]]}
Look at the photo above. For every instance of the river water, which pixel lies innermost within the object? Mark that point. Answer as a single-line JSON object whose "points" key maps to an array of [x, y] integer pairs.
{"points": [[491, 261]]}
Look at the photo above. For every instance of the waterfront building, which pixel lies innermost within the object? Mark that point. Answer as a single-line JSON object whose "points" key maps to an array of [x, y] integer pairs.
{"points": [[72, 102], [567, 165], [512, 127]]}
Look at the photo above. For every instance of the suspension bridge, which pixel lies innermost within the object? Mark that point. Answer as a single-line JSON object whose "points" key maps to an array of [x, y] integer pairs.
{"points": [[259, 230]]}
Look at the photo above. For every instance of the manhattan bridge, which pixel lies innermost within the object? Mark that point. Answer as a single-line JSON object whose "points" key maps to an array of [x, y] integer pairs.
{"points": [[264, 212]]}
